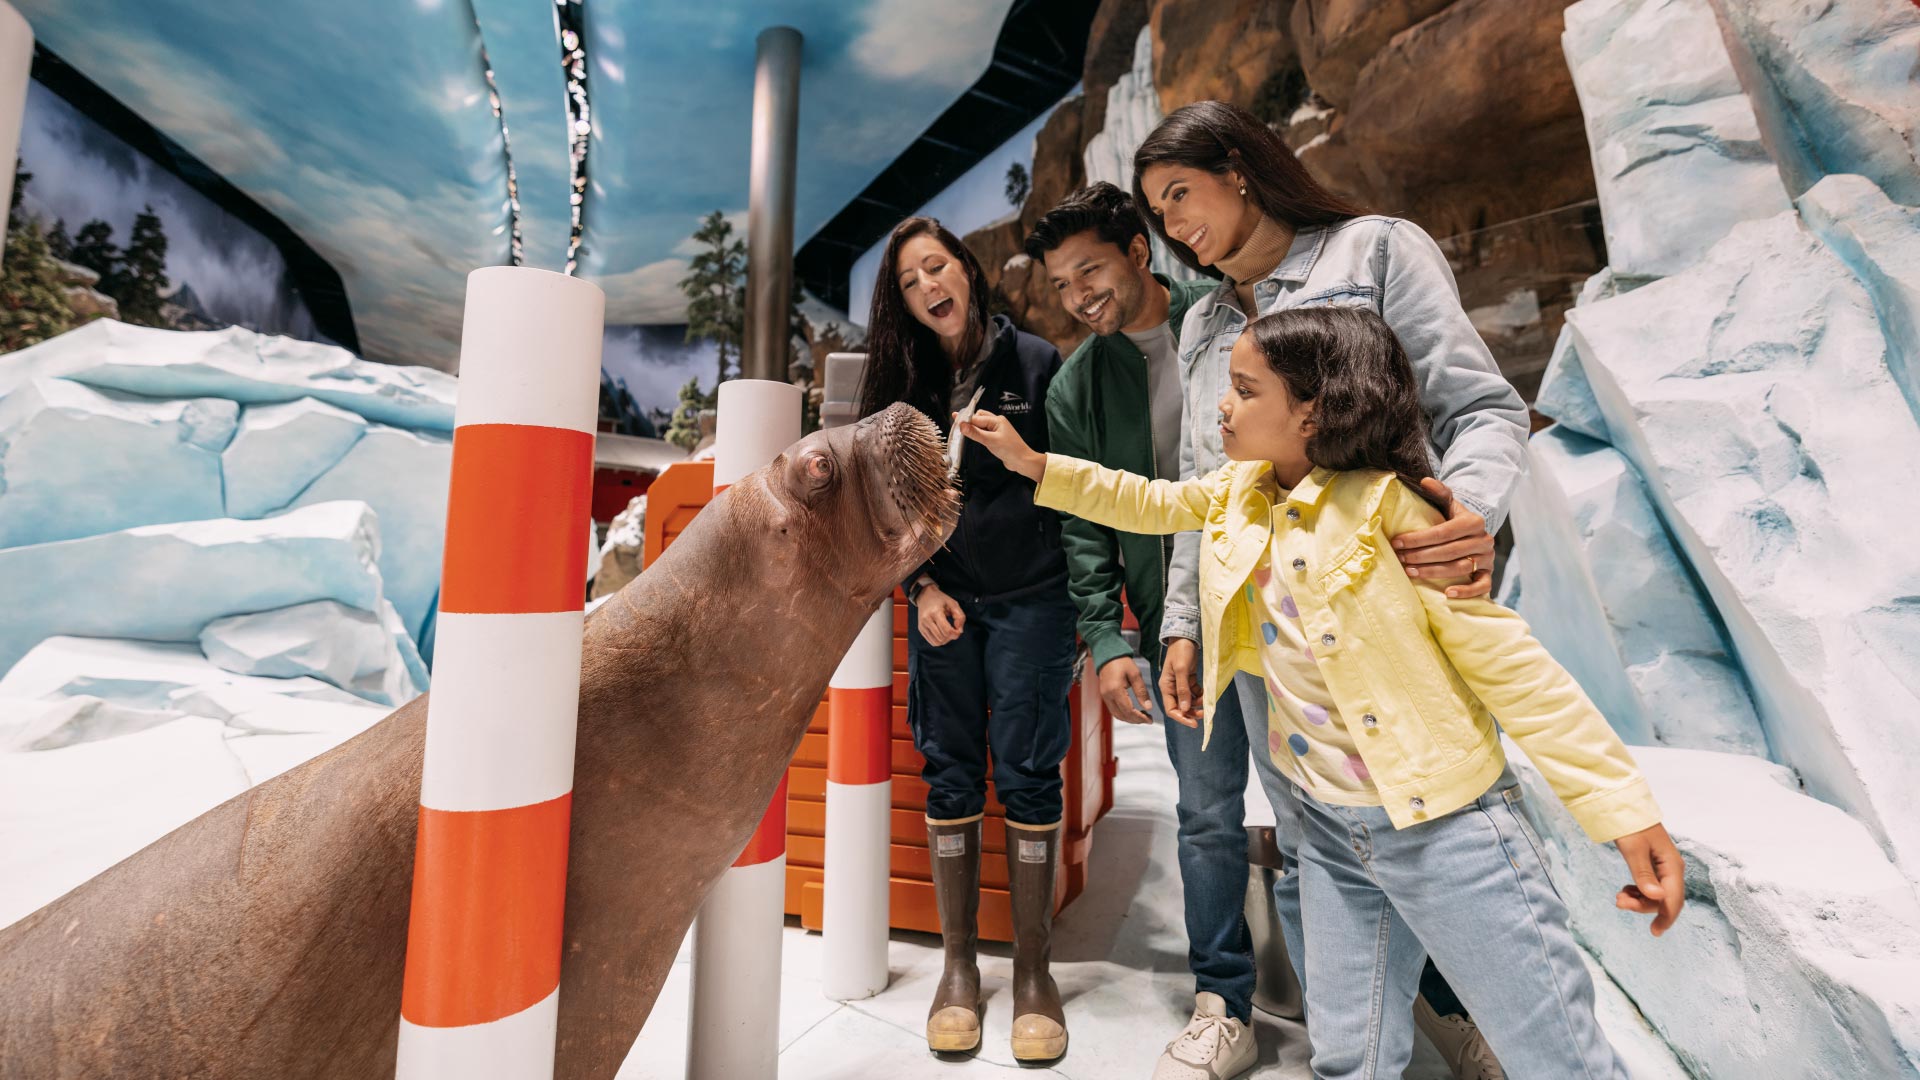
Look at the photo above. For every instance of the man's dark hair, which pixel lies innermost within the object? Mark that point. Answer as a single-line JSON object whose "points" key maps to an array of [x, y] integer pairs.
{"points": [[1103, 208]]}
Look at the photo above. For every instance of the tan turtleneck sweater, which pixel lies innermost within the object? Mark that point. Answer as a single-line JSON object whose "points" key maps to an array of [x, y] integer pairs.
{"points": [[1252, 261]]}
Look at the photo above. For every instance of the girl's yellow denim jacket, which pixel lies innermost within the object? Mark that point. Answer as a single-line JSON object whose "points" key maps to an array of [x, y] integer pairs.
{"points": [[1418, 677]]}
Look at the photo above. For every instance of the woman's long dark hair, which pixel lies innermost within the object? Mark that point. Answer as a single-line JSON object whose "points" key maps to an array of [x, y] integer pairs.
{"points": [[1216, 136], [904, 358], [1349, 363]]}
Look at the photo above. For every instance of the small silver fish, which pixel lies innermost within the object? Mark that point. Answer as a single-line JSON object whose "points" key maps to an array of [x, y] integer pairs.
{"points": [[957, 442]]}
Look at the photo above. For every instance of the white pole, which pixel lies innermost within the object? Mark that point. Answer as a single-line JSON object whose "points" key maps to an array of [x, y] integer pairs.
{"points": [[859, 805], [481, 992], [16, 63], [733, 1019]]}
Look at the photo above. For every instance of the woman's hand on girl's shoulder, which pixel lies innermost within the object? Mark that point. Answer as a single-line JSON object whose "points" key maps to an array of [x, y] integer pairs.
{"points": [[998, 435], [1458, 548]]}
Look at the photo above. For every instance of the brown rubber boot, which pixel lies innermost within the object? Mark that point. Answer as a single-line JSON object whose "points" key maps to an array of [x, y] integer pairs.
{"points": [[1039, 1023], [953, 1021]]}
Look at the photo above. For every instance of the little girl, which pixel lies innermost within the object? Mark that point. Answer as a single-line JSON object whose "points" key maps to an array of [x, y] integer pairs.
{"points": [[1382, 694]]}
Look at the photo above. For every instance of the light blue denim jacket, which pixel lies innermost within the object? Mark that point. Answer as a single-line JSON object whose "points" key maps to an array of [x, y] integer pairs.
{"points": [[1477, 422]]}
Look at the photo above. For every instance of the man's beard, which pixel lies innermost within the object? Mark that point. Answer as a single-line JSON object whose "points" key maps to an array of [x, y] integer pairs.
{"points": [[1122, 306]]}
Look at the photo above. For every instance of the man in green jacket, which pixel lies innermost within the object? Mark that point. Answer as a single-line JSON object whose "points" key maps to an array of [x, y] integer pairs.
{"points": [[1117, 401]]}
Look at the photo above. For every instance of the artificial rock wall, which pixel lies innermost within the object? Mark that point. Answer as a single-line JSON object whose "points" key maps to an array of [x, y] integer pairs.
{"points": [[1711, 535], [1457, 114]]}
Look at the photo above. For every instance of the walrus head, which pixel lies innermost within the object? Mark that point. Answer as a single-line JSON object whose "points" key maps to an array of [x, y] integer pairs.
{"points": [[873, 499]]}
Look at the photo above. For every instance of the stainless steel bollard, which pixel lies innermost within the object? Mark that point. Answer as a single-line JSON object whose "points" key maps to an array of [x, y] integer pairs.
{"points": [[1276, 990]]}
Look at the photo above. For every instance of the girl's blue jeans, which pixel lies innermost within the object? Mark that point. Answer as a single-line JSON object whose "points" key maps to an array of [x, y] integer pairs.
{"points": [[1471, 889]]}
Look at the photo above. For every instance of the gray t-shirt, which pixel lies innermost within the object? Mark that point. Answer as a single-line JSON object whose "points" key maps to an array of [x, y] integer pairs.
{"points": [[1163, 396]]}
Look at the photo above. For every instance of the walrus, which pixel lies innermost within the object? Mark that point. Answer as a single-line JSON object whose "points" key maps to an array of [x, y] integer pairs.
{"points": [[267, 937]]}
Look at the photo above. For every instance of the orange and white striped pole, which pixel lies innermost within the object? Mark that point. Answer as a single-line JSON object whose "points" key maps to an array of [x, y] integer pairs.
{"points": [[481, 996], [859, 806], [733, 1019]]}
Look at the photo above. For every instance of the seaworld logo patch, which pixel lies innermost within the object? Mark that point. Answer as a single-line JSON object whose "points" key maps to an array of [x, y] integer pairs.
{"points": [[1012, 403]]}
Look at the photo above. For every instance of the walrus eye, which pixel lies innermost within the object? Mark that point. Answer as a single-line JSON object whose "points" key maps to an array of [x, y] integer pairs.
{"points": [[819, 467]]}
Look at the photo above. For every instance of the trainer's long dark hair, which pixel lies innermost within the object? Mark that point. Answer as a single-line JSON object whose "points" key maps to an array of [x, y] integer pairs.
{"points": [[1349, 363], [1216, 136], [904, 358]]}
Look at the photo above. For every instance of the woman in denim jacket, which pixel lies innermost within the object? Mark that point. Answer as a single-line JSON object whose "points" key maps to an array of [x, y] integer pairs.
{"points": [[1231, 200]]}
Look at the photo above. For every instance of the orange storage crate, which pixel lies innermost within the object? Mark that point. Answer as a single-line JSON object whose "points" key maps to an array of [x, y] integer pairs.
{"points": [[1088, 772]]}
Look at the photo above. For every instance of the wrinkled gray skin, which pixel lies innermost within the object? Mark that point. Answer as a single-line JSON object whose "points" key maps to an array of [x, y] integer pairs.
{"points": [[267, 937]]}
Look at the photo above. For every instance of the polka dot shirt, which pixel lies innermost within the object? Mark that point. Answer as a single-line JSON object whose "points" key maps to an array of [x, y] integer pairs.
{"points": [[1305, 734]]}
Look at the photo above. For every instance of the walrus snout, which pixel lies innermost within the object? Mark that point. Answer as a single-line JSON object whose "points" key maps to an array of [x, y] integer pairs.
{"points": [[913, 460]]}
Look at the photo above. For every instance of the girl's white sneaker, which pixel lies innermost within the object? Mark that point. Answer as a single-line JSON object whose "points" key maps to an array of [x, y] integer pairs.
{"points": [[1214, 1046], [1459, 1041]]}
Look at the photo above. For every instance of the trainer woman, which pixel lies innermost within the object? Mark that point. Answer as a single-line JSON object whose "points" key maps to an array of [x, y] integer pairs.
{"points": [[1231, 200], [991, 637]]}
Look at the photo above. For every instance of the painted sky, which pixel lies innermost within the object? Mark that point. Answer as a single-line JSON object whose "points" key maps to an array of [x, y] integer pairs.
{"points": [[875, 75], [655, 361], [365, 125], [82, 172]]}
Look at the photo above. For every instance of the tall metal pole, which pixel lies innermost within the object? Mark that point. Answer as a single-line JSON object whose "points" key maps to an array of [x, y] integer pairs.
{"points": [[776, 138]]}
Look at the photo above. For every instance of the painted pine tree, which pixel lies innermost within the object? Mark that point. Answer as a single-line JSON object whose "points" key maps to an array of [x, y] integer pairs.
{"points": [[93, 248], [33, 295], [715, 282], [684, 432], [143, 280]]}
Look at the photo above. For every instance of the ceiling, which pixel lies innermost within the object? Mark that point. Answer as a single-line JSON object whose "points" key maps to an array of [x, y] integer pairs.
{"points": [[366, 126]]}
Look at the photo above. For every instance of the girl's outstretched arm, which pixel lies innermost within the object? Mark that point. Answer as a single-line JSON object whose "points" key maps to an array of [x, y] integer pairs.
{"points": [[1110, 497], [997, 435]]}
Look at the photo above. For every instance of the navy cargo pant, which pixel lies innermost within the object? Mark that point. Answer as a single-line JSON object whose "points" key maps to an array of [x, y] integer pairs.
{"points": [[1002, 684]]}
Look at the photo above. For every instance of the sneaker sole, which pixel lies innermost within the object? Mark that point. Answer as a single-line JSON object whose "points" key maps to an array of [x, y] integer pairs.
{"points": [[1228, 1070]]}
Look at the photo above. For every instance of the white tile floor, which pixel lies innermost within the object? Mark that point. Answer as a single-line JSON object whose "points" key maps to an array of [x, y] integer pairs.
{"points": [[1120, 957]]}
